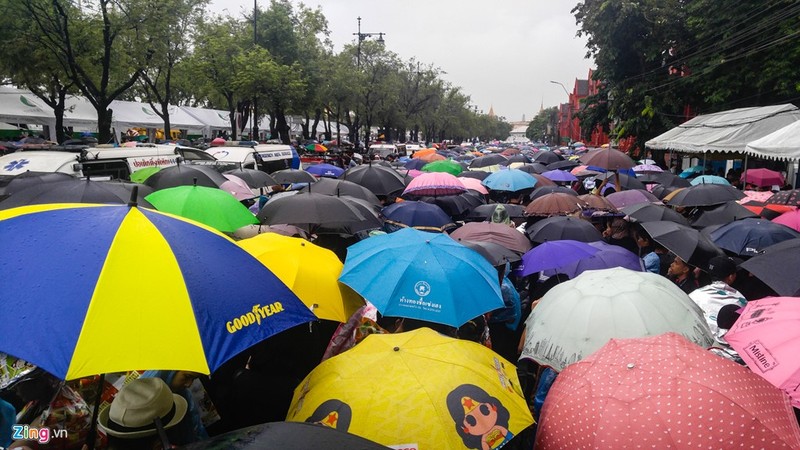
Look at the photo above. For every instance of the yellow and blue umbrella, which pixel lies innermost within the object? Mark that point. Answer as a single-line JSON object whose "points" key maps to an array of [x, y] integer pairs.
{"points": [[425, 276], [112, 288]]}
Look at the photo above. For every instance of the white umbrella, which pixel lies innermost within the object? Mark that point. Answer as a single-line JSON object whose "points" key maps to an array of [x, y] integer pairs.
{"points": [[575, 318]]}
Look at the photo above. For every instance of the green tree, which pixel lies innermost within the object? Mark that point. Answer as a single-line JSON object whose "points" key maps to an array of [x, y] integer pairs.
{"points": [[542, 127]]}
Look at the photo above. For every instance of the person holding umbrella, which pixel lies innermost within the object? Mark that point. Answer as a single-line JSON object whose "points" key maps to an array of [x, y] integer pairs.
{"points": [[682, 274], [713, 297]]}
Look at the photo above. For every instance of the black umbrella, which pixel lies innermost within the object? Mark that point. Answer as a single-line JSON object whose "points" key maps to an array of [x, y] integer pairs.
{"points": [[485, 212], [547, 157], [661, 191], [290, 176], [11, 184], [720, 215], [185, 175], [496, 254], [309, 209], [457, 206], [791, 198], [689, 244], [650, 212], [477, 174], [488, 160], [778, 267], [76, 191], [518, 158], [380, 180], [706, 195], [563, 165], [286, 436], [371, 221], [533, 168], [748, 237], [563, 227], [336, 188], [256, 179], [544, 190], [625, 181]]}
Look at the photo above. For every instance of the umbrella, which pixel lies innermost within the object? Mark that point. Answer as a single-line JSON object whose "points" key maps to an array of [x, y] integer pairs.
{"points": [[286, 436], [185, 175], [544, 190], [485, 212], [291, 176], [542, 181], [337, 188], [461, 393], [317, 148], [563, 165], [705, 195], [554, 254], [256, 179], [560, 176], [210, 206], [99, 322], [474, 184], [236, 187], [518, 158], [74, 190], [749, 237], [497, 233], [509, 180], [496, 254], [476, 174], [419, 215], [647, 168], [607, 158], [435, 184], [547, 157], [309, 209], [790, 219], [718, 215], [310, 271], [608, 257], [447, 166], [663, 392], [667, 179], [415, 164], [577, 317], [456, 206], [379, 179], [790, 198], [709, 179], [596, 202], [692, 171], [284, 230], [778, 267], [533, 168], [27, 179], [424, 152], [424, 276], [555, 204], [625, 181], [762, 177], [141, 175], [431, 157], [488, 160], [649, 212], [325, 170], [765, 336], [689, 244], [631, 197], [563, 227]]}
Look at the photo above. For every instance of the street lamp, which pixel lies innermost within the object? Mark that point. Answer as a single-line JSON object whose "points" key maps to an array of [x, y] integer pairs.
{"points": [[361, 36], [569, 108]]}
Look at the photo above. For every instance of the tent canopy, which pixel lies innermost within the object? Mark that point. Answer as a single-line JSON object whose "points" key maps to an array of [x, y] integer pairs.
{"points": [[782, 144], [133, 114], [726, 131], [214, 119], [18, 106]]}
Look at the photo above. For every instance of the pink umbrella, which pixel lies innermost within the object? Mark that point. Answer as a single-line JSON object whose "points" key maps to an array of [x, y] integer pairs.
{"points": [[435, 184], [766, 337], [474, 184], [647, 168], [414, 173], [236, 187], [663, 392], [762, 177], [791, 219]]}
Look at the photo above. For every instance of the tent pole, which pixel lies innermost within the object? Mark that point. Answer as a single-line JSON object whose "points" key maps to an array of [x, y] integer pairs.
{"points": [[705, 161], [744, 172]]}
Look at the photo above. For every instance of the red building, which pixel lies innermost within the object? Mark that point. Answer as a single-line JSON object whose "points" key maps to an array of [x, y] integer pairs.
{"points": [[569, 127]]}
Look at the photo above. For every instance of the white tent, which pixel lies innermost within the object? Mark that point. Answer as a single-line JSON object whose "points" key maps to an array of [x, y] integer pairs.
{"points": [[212, 119], [782, 144], [80, 114], [19, 106], [726, 131], [133, 114]]}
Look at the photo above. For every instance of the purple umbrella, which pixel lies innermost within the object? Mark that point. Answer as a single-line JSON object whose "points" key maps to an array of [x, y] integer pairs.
{"points": [[607, 257], [554, 255], [631, 197], [560, 176]]}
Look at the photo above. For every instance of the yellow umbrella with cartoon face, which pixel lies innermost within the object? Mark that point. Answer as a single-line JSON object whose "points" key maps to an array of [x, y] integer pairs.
{"points": [[417, 390]]}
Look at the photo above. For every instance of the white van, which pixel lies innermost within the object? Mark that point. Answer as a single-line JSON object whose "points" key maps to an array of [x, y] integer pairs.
{"points": [[384, 150], [266, 157], [100, 163]]}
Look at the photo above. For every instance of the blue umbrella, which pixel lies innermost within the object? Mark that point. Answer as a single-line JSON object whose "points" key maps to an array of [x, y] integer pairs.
{"points": [[692, 171], [608, 256], [709, 179], [424, 276], [555, 254], [325, 170], [415, 164], [560, 176], [748, 237], [509, 180], [416, 214]]}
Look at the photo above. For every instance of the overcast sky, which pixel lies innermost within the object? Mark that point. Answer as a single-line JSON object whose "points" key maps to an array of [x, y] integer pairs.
{"points": [[501, 53]]}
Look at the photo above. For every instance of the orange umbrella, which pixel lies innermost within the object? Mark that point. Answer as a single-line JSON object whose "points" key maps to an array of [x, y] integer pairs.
{"points": [[423, 152], [432, 157]]}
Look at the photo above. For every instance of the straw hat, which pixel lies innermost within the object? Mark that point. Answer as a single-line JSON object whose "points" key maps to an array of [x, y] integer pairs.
{"points": [[137, 405]]}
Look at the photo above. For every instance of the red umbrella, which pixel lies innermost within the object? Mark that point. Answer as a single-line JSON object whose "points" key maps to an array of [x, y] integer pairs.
{"points": [[663, 392], [762, 177]]}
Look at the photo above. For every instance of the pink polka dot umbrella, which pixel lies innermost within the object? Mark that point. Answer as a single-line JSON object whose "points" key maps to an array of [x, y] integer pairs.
{"points": [[663, 392]]}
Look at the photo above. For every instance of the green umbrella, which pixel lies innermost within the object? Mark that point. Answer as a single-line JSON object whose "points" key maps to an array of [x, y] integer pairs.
{"points": [[210, 206], [142, 174], [447, 165]]}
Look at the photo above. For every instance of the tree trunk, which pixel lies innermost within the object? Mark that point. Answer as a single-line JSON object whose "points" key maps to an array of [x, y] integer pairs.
{"points": [[282, 127], [104, 115]]}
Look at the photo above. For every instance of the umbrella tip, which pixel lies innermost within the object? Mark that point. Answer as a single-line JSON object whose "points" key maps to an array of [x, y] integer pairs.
{"points": [[194, 181], [397, 349], [631, 365], [134, 196]]}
